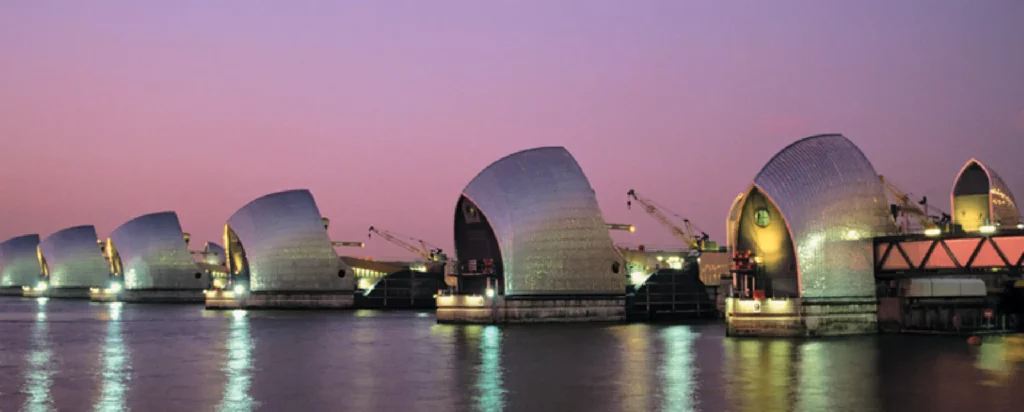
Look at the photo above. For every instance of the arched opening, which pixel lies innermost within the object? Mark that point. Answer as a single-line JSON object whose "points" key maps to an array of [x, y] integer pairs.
{"points": [[114, 260], [763, 231], [477, 249], [237, 262], [971, 207], [44, 268]]}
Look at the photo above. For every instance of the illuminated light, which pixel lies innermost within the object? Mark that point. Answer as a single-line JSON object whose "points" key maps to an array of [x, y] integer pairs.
{"points": [[445, 300], [476, 300], [987, 229], [26, 288], [758, 259], [932, 231], [239, 289], [1020, 226], [490, 293], [115, 287], [364, 283], [42, 286], [660, 258], [632, 228], [637, 278], [851, 235]]}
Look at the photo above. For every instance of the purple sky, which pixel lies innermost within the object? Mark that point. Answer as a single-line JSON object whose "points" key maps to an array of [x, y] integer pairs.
{"points": [[386, 109]]}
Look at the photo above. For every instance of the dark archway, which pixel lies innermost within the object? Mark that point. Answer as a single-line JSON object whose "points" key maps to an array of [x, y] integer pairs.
{"points": [[477, 249]]}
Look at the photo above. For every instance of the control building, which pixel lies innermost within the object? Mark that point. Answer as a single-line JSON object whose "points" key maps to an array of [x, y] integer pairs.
{"points": [[278, 254], [532, 245], [19, 265], [806, 223]]}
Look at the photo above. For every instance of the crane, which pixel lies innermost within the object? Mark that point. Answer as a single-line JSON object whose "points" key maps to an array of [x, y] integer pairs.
{"points": [[906, 208], [687, 233], [425, 250]]}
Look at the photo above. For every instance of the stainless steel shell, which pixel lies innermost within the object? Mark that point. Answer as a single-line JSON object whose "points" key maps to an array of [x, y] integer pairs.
{"points": [[74, 259], [19, 261], [286, 245], [154, 255], [548, 225], [213, 254], [834, 203]]}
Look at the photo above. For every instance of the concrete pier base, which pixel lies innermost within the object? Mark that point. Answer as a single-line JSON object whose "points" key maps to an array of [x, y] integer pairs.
{"points": [[58, 293], [800, 317], [12, 291], [279, 300], [522, 309]]}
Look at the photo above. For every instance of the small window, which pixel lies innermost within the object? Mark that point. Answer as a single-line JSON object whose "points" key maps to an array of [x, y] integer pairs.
{"points": [[761, 217], [341, 273], [199, 275]]}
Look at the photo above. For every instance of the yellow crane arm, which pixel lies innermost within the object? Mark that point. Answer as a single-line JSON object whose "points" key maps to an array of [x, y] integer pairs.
{"points": [[683, 234], [390, 237]]}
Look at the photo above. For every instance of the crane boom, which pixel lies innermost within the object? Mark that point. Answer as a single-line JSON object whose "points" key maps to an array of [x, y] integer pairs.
{"points": [[424, 250], [686, 233], [907, 208]]}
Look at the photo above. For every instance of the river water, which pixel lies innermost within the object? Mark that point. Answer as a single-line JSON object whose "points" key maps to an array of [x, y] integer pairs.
{"points": [[81, 356]]}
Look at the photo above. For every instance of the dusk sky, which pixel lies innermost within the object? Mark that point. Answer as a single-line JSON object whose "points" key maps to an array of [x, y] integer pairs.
{"points": [[385, 110]]}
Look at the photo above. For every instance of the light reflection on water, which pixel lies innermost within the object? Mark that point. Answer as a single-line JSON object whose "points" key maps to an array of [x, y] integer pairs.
{"points": [[402, 361], [678, 371], [490, 393], [116, 365], [238, 366], [40, 371]]}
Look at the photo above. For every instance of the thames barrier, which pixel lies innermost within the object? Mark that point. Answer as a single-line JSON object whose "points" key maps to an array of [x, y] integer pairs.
{"points": [[818, 244]]}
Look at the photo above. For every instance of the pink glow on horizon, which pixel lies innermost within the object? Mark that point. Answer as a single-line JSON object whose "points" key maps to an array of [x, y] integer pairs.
{"points": [[385, 111]]}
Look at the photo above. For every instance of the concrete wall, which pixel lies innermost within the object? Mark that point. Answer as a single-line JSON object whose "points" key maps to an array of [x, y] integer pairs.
{"points": [[801, 317]]}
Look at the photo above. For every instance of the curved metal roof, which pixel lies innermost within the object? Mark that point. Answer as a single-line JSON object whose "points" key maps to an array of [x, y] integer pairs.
{"points": [[19, 261], [1002, 205], [214, 254], [74, 259], [154, 254], [735, 210], [287, 246], [833, 203], [548, 225]]}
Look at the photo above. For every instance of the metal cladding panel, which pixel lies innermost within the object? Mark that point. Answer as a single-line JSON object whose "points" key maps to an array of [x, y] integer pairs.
{"points": [[154, 254], [74, 259], [549, 227], [214, 254], [834, 204], [19, 261], [287, 246]]}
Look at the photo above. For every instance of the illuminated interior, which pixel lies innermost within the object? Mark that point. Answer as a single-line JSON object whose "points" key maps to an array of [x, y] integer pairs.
{"points": [[762, 230], [44, 269], [114, 260], [477, 249], [971, 207], [237, 263]]}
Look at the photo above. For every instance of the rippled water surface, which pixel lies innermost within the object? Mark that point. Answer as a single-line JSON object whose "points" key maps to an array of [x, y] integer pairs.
{"points": [[80, 356]]}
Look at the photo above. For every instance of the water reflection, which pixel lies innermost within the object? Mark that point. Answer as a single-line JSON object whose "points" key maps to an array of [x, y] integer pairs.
{"points": [[40, 371], [636, 358], [489, 384], [116, 368], [678, 370], [764, 371], [238, 367], [1000, 359]]}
